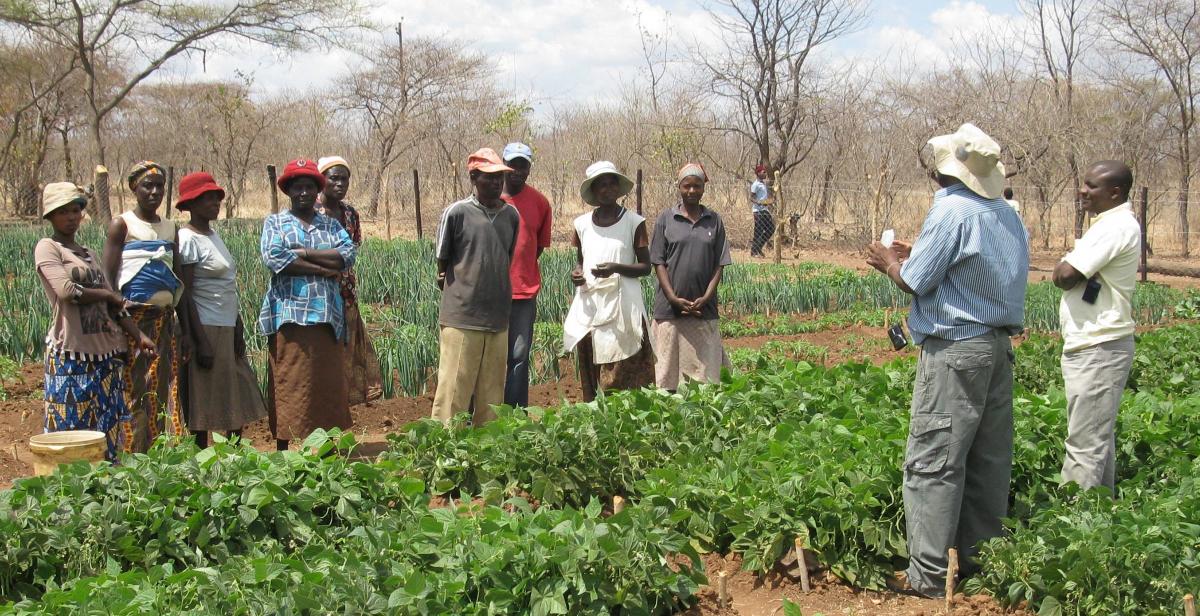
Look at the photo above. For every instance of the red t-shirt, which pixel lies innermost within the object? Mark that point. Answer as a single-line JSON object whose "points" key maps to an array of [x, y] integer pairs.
{"points": [[534, 233]]}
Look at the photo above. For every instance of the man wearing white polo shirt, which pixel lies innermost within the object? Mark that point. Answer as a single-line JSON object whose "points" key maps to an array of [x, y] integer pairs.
{"points": [[1096, 316]]}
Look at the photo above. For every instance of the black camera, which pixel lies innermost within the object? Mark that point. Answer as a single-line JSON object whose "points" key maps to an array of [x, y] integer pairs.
{"points": [[897, 336], [1092, 290]]}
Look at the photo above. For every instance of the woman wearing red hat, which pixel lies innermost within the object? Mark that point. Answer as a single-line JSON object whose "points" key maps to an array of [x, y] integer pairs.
{"points": [[303, 314], [222, 389]]}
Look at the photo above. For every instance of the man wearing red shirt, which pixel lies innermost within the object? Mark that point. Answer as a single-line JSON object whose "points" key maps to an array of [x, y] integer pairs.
{"points": [[532, 239]]}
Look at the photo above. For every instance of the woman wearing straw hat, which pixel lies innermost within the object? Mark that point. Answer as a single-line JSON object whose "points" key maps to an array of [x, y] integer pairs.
{"points": [[362, 366], [302, 314], [141, 255], [222, 389], [689, 252], [85, 347], [607, 324]]}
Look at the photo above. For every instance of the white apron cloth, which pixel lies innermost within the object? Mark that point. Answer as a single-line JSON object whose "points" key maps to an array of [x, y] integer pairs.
{"points": [[611, 309]]}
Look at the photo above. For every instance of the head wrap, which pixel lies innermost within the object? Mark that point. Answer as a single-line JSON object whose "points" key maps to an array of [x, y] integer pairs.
{"points": [[691, 169], [329, 162], [141, 169]]}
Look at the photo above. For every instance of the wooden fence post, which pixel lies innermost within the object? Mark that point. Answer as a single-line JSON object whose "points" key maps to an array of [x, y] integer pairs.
{"points": [[1145, 233], [100, 195], [1189, 605], [639, 192], [274, 194], [171, 212], [416, 203], [779, 221]]}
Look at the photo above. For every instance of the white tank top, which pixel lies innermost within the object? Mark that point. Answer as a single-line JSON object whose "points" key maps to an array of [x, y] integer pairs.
{"points": [[137, 229]]}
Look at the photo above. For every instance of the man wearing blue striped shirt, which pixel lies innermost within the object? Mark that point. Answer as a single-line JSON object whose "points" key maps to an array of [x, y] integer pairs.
{"points": [[967, 274]]}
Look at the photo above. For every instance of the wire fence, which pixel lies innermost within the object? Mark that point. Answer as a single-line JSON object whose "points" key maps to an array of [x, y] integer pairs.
{"points": [[809, 212]]}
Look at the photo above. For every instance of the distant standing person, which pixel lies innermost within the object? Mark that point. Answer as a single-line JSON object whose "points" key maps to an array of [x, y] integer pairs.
{"points": [[223, 391], [689, 252], [302, 314], [761, 200], [1096, 316], [476, 239], [141, 253], [1008, 198], [607, 325], [967, 274], [363, 378], [85, 348], [526, 276]]}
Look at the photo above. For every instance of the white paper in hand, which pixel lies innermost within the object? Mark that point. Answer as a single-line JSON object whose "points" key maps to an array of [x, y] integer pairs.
{"points": [[889, 236]]}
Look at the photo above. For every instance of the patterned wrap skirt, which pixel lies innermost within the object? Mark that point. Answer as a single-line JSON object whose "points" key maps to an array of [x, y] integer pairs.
{"points": [[154, 400], [86, 394]]}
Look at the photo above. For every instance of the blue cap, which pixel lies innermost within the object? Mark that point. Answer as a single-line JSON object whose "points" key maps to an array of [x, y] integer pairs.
{"points": [[517, 150]]}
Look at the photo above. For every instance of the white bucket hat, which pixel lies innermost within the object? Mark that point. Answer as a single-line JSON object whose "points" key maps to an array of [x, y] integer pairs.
{"points": [[596, 170], [60, 194], [971, 156]]}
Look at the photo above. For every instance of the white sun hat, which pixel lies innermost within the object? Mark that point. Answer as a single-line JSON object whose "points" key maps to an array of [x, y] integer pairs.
{"points": [[596, 170], [970, 155]]}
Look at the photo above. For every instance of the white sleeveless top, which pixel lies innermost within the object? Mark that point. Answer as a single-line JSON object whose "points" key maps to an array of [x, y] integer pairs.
{"points": [[611, 309], [138, 230]]}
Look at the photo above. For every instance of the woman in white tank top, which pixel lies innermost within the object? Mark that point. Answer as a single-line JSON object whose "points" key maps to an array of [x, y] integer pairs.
{"points": [[607, 325], [141, 253]]}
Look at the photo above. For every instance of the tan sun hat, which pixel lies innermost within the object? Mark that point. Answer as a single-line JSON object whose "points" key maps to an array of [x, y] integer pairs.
{"points": [[60, 194], [596, 170], [971, 156]]}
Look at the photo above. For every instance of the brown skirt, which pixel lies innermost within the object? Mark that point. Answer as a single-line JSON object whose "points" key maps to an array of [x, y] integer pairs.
{"points": [[303, 393], [362, 366], [224, 397], [632, 372]]}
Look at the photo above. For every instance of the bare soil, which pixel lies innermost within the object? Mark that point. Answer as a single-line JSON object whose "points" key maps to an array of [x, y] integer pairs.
{"points": [[751, 594]]}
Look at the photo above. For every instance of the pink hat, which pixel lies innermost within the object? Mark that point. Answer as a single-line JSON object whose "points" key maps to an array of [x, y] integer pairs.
{"points": [[487, 161], [193, 185]]}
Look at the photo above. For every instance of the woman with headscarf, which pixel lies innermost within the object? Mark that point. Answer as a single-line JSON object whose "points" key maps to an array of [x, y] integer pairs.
{"points": [[222, 389], [302, 314], [607, 324], [362, 366], [689, 251], [141, 254], [85, 347]]}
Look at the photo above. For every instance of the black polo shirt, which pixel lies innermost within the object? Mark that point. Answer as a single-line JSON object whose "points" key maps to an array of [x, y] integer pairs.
{"points": [[692, 254]]}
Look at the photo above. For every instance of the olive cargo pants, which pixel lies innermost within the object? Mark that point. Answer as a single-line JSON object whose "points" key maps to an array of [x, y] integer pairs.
{"points": [[959, 461]]}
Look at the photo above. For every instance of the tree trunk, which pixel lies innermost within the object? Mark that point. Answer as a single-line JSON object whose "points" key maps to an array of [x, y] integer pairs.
{"points": [[823, 208], [1185, 178], [103, 212], [68, 165]]}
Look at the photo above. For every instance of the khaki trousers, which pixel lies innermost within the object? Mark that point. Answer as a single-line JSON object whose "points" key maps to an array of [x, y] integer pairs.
{"points": [[471, 369], [1094, 378]]}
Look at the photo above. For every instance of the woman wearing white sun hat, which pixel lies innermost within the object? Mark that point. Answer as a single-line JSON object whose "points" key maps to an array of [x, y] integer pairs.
{"points": [[607, 324]]}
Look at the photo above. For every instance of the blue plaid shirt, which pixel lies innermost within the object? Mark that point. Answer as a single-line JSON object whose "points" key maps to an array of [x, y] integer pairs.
{"points": [[304, 300], [968, 268]]}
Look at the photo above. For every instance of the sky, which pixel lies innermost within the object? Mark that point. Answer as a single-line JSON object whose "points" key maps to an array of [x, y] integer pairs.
{"points": [[562, 52]]}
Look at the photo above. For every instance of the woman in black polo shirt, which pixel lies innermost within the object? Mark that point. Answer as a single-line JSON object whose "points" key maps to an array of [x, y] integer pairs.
{"points": [[688, 250]]}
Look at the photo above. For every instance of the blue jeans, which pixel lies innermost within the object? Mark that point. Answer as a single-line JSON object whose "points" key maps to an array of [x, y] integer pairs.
{"points": [[520, 339]]}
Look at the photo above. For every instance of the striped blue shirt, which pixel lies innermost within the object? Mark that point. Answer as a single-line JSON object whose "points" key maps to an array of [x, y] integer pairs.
{"points": [[968, 268]]}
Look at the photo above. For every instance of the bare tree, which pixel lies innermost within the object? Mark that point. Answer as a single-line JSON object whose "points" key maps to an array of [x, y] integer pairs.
{"points": [[148, 33], [763, 69], [1166, 35], [400, 91], [1063, 34]]}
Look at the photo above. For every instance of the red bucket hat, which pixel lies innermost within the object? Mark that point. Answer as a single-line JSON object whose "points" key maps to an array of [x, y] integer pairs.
{"points": [[193, 185], [300, 168]]}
